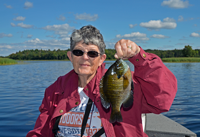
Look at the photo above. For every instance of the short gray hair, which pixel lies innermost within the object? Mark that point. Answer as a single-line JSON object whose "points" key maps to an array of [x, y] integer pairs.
{"points": [[90, 35]]}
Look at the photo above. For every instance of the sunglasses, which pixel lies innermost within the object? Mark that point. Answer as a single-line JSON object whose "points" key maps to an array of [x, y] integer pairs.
{"points": [[92, 54]]}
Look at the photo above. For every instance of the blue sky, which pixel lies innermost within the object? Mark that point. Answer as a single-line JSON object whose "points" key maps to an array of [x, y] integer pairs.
{"points": [[47, 24]]}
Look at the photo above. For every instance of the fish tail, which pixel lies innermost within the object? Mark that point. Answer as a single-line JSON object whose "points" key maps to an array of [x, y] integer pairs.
{"points": [[115, 117]]}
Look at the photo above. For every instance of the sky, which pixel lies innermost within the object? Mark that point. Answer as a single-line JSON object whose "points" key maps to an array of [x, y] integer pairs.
{"points": [[48, 24]]}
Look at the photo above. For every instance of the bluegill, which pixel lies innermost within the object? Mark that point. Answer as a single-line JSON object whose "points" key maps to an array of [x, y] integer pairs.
{"points": [[116, 88]]}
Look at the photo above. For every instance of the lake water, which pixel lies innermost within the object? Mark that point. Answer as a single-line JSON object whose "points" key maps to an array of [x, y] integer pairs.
{"points": [[22, 88]]}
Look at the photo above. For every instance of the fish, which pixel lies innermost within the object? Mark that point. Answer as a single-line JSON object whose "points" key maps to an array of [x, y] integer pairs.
{"points": [[116, 89]]}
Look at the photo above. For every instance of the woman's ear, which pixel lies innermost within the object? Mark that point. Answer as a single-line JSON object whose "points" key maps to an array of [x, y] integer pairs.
{"points": [[102, 59], [69, 54]]}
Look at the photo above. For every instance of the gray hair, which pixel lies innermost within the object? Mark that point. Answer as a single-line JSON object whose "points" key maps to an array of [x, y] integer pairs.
{"points": [[90, 35]]}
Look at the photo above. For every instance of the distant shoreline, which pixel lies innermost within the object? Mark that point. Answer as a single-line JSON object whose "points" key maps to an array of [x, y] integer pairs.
{"points": [[181, 59], [7, 61]]}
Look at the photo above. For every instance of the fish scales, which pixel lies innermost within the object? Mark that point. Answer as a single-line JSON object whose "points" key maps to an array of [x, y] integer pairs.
{"points": [[115, 89]]}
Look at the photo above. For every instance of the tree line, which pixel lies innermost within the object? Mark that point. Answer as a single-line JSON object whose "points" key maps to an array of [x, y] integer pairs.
{"points": [[36, 54]]}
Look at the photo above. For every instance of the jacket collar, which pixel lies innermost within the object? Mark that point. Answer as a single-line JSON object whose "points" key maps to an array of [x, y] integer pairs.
{"points": [[69, 84], [68, 87], [92, 88]]}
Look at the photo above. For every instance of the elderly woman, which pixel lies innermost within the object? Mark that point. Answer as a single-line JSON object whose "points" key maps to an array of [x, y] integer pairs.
{"points": [[72, 106]]}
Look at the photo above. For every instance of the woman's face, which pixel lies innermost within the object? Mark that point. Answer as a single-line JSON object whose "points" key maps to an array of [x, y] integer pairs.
{"points": [[85, 65]]}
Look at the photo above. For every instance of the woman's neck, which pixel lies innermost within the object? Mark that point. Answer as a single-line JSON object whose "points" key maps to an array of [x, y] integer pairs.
{"points": [[84, 80]]}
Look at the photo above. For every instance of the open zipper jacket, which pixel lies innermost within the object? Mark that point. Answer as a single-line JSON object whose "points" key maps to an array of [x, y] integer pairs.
{"points": [[155, 88]]}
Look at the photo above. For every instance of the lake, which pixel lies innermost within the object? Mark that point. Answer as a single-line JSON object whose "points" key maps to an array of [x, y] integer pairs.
{"points": [[22, 89]]}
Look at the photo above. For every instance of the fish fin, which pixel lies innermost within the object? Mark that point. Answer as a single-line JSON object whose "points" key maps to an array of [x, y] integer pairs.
{"points": [[132, 85], [101, 84], [115, 117], [104, 103], [129, 101]]}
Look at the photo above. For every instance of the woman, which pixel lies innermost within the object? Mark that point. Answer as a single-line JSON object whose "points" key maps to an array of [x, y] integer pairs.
{"points": [[65, 101]]}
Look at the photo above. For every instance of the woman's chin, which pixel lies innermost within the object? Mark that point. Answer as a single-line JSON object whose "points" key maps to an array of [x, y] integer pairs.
{"points": [[84, 73]]}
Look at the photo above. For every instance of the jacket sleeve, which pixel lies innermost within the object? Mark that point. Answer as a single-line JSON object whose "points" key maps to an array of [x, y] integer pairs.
{"points": [[41, 128], [156, 82]]}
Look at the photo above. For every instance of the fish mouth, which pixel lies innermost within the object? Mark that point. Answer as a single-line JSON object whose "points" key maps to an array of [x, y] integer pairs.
{"points": [[124, 64], [119, 60]]}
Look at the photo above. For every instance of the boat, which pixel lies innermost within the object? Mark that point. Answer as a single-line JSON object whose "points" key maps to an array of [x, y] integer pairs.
{"points": [[158, 125]]}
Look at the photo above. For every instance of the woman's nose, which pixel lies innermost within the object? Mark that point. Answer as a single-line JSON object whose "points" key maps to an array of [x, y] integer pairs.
{"points": [[85, 56]]}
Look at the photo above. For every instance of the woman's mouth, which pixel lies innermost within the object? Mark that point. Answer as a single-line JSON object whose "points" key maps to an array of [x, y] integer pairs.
{"points": [[84, 65]]}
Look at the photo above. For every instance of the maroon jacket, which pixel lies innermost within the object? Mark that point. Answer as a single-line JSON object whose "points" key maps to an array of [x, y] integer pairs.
{"points": [[154, 91]]}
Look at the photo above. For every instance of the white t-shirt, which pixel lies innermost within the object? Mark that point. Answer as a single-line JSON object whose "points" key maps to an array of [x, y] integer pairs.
{"points": [[71, 122]]}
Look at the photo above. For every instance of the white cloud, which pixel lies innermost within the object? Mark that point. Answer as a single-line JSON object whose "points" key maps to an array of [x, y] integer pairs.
{"points": [[65, 39], [36, 43], [159, 36], [184, 43], [61, 30], [12, 24], [166, 47], [61, 17], [110, 45], [8, 6], [191, 18], [29, 36], [135, 36], [86, 17], [194, 34], [48, 44], [63, 44], [5, 35], [62, 34], [22, 25], [169, 20], [118, 36], [180, 18], [51, 36], [5, 46], [19, 18], [63, 27], [176, 4], [5, 49], [28, 5], [168, 23], [132, 25]]}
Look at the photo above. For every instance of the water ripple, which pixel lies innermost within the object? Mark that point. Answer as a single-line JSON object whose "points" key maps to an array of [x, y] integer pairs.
{"points": [[22, 88]]}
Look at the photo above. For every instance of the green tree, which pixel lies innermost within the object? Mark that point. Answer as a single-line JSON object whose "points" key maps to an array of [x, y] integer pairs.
{"points": [[187, 51], [195, 53]]}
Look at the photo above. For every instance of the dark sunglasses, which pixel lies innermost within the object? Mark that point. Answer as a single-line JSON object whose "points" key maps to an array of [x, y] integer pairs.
{"points": [[91, 54]]}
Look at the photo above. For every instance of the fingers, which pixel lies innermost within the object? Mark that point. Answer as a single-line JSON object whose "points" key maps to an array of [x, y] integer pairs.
{"points": [[121, 49], [125, 49], [116, 56], [119, 52]]}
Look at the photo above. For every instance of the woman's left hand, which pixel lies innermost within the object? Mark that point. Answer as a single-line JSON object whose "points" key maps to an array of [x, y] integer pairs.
{"points": [[126, 49]]}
